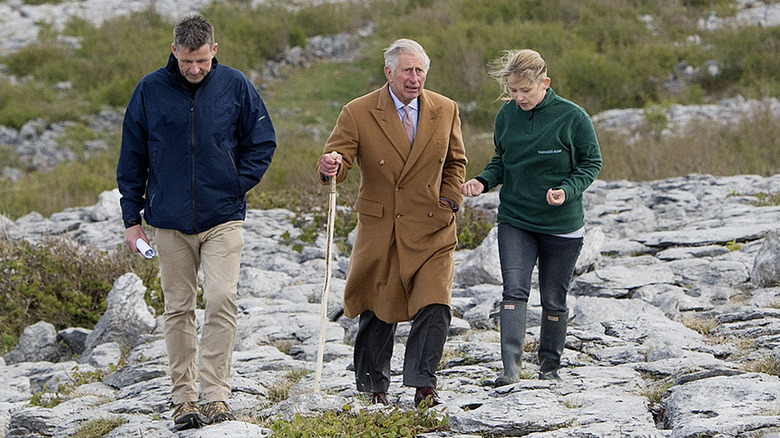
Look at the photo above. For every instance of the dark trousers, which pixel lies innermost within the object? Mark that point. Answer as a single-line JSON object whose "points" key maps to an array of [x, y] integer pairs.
{"points": [[424, 347], [518, 251]]}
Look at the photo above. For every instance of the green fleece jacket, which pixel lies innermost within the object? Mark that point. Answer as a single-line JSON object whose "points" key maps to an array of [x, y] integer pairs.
{"points": [[553, 146]]}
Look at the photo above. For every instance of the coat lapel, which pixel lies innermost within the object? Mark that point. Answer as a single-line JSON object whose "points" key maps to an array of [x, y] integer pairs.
{"points": [[427, 119], [386, 117]]}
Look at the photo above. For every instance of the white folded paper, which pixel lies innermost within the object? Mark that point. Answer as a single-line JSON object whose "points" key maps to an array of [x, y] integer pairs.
{"points": [[144, 248]]}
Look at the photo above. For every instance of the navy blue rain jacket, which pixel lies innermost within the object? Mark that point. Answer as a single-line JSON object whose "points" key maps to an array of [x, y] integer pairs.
{"points": [[188, 158]]}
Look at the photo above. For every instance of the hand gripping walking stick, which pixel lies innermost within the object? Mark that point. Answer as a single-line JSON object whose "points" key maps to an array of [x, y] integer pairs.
{"points": [[326, 288]]}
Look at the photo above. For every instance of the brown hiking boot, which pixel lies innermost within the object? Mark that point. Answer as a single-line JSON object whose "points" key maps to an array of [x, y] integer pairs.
{"points": [[217, 412], [187, 416]]}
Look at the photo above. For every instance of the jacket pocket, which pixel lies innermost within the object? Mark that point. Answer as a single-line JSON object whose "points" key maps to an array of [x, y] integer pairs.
{"points": [[368, 207]]}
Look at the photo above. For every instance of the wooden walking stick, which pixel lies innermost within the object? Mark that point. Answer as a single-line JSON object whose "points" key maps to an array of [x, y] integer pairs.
{"points": [[326, 288]]}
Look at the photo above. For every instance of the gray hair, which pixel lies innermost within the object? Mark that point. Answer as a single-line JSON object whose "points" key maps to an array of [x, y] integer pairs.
{"points": [[192, 32], [404, 46]]}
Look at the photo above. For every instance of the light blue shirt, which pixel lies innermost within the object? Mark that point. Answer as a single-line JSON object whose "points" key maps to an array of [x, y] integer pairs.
{"points": [[399, 106]]}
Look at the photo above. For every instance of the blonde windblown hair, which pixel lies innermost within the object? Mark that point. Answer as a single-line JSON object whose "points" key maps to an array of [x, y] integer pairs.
{"points": [[523, 64]]}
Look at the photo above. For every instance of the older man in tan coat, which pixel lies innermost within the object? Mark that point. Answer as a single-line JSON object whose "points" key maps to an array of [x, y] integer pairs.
{"points": [[409, 148]]}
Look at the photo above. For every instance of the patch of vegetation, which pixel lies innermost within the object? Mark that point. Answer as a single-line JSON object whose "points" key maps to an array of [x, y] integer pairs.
{"points": [[60, 282], [526, 374], [573, 402], [656, 390], [350, 422], [703, 326], [281, 390], [98, 427], [749, 145], [49, 399], [473, 226], [45, 398], [766, 199], [77, 183], [733, 245], [769, 365]]}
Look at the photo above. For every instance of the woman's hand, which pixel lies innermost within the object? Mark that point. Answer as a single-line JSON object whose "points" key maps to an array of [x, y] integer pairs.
{"points": [[471, 188], [556, 197]]}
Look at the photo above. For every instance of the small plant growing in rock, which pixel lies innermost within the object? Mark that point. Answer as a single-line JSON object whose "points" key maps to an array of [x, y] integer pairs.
{"points": [[701, 325], [768, 365], [766, 199], [45, 398], [656, 390], [281, 390], [283, 346], [573, 403], [733, 245], [98, 427]]}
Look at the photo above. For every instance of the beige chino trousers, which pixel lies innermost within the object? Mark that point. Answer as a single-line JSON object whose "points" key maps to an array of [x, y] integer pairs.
{"points": [[217, 252]]}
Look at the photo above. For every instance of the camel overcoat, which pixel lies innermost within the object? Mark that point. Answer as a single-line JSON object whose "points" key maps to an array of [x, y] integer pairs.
{"points": [[402, 259]]}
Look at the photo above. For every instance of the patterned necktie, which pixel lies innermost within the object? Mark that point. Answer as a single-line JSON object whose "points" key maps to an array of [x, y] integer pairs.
{"points": [[408, 124]]}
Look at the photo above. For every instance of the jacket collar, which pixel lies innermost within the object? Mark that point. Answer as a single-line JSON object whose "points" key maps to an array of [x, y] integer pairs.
{"points": [[173, 69]]}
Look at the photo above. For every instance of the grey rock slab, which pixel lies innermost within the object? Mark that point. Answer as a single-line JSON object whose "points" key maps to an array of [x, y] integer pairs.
{"points": [[75, 338], [517, 413], [142, 427], [766, 268], [105, 355], [723, 406], [132, 374], [701, 237], [710, 272], [38, 342], [618, 281], [228, 429], [304, 404], [590, 254], [482, 264], [692, 252], [765, 297], [126, 317], [691, 362], [610, 405]]}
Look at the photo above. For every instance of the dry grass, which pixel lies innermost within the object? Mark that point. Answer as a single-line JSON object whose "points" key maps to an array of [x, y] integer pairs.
{"points": [[747, 146]]}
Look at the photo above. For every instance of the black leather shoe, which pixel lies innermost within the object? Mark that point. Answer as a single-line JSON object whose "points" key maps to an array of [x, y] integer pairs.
{"points": [[427, 397], [379, 398]]}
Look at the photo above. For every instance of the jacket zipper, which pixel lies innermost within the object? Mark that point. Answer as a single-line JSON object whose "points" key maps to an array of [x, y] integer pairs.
{"points": [[192, 163]]}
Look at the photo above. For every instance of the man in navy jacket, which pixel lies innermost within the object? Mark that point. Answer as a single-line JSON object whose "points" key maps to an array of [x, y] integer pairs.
{"points": [[196, 137]]}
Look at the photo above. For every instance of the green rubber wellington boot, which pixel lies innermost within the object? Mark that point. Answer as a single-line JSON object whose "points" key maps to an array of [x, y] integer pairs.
{"points": [[512, 321], [552, 340]]}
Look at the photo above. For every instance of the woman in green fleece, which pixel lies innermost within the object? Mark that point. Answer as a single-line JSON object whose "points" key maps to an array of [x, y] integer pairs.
{"points": [[546, 155]]}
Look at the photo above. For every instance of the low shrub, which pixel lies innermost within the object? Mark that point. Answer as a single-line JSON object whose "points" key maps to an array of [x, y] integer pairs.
{"points": [[61, 282], [351, 422]]}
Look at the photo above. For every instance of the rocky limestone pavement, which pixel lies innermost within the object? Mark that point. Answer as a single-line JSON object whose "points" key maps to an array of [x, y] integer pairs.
{"points": [[675, 315]]}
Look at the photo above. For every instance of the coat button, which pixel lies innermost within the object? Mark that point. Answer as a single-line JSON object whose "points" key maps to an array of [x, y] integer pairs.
{"points": [[430, 214], [381, 162], [398, 215]]}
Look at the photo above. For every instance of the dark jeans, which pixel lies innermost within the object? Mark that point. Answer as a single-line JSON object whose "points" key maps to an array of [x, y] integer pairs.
{"points": [[519, 250], [424, 347]]}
